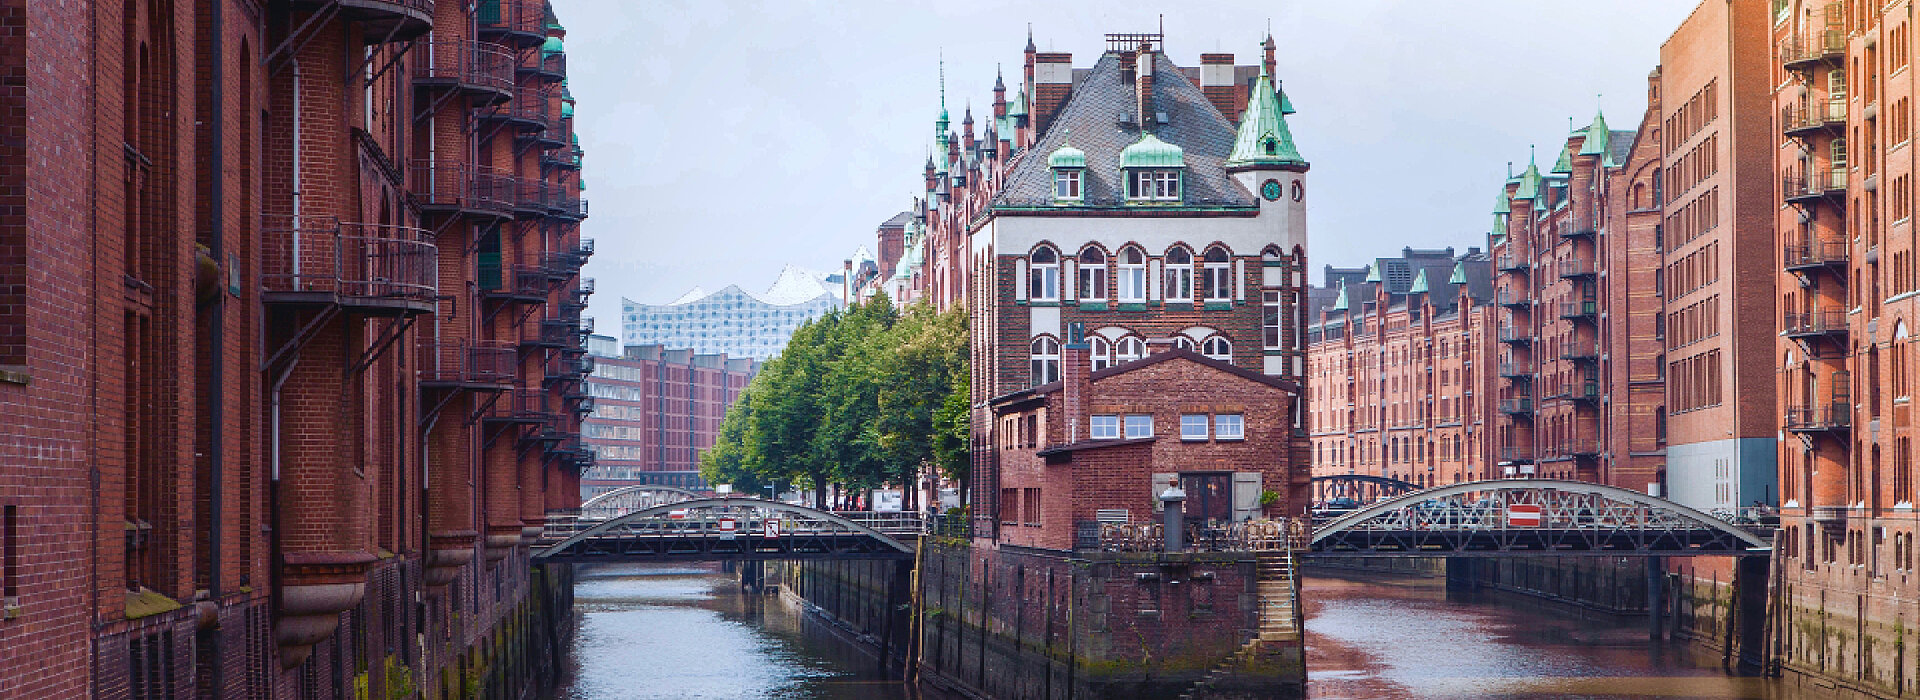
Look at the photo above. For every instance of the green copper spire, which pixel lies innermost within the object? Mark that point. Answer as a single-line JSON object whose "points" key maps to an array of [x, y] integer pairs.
{"points": [[1286, 105], [1565, 165], [1597, 136], [1503, 204], [1459, 274], [1419, 283], [1373, 272], [1264, 138], [1529, 180], [1340, 302]]}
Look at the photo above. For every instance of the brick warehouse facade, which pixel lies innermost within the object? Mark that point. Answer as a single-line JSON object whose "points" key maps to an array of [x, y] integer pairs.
{"points": [[290, 336], [655, 410], [1843, 263]]}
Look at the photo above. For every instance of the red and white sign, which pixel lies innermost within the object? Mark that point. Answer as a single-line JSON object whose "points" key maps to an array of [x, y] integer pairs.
{"points": [[728, 526], [770, 528], [1523, 515]]}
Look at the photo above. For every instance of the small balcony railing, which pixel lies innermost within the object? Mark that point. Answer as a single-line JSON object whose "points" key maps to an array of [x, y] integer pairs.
{"points": [[1814, 116], [1508, 297], [1516, 455], [516, 22], [530, 198], [1806, 256], [1814, 185], [560, 266], [1575, 268], [482, 69], [1577, 448], [520, 405], [1518, 336], [1579, 228], [1584, 310], [470, 364], [533, 109], [1830, 323], [565, 202], [443, 187], [1512, 263], [1820, 418], [546, 66], [391, 20], [356, 265], [1579, 352], [1515, 370], [1803, 52], [514, 283], [1517, 406]]}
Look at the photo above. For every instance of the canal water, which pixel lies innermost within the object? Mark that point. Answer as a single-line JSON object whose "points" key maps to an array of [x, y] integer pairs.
{"points": [[653, 632]]}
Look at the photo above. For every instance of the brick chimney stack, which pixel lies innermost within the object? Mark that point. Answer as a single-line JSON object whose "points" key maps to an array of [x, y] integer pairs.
{"points": [[1053, 82], [1268, 61], [1075, 363], [1216, 81], [1143, 83]]}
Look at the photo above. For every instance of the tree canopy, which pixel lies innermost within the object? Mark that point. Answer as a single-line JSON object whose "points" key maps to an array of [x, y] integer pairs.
{"points": [[862, 397]]}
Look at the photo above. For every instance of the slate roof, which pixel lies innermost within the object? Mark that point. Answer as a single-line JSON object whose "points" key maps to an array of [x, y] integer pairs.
{"points": [[1094, 111], [898, 221]]}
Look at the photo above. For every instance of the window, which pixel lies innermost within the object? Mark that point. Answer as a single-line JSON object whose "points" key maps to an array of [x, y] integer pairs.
{"points": [[1093, 274], [1009, 506], [1217, 279], [1030, 507], [1182, 342], [1179, 264], [1229, 426], [1066, 183], [1100, 352], [1130, 348], [1154, 185], [1044, 275], [1133, 275], [1046, 360], [1104, 427], [1218, 348], [1270, 318], [1193, 426], [1139, 425]]}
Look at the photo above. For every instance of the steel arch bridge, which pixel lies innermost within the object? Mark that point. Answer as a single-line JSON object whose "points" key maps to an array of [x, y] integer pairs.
{"points": [[628, 499], [1531, 517], [715, 529], [1361, 488]]}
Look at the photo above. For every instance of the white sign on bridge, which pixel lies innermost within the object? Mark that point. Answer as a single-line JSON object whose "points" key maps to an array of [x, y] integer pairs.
{"points": [[728, 526]]}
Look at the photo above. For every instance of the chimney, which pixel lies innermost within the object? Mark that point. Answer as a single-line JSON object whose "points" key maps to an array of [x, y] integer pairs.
{"points": [[1053, 81], [1074, 366], [1267, 62], [1216, 81], [1143, 81]]}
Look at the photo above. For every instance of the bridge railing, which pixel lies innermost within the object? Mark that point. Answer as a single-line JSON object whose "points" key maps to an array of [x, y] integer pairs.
{"points": [[1263, 535], [748, 521]]}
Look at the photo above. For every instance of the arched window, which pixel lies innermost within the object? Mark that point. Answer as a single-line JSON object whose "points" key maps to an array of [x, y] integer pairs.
{"points": [[1044, 275], [1218, 348], [1181, 342], [1179, 274], [1217, 279], [1130, 348], [1900, 355], [1133, 275], [1093, 274], [1046, 360], [1100, 352]]}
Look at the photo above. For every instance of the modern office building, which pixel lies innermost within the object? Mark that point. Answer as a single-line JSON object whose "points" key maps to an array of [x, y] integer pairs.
{"points": [[655, 410]]}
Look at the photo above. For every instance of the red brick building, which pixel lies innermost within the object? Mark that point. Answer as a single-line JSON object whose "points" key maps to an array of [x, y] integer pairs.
{"points": [[655, 411], [1100, 446], [1398, 368], [261, 265]]}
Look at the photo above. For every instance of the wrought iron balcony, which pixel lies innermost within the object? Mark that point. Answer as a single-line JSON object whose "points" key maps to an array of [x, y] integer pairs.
{"points": [[1513, 263], [1579, 228], [530, 199], [1511, 298], [1580, 352], [1517, 336], [1516, 455], [533, 109], [1517, 406], [481, 70], [1830, 324], [478, 365], [1586, 392], [1815, 185], [376, 269], [1575, 268], [1515, 370], [388, 20], [519, 405], [1578, 448], [453, 188], [1806, 52], [512, 22], [1816, 255], [521, 283], [565, 202], [556, 137], [1814, 117], [550, 333], [545, 66], [1585, 310], [1835, 417]]}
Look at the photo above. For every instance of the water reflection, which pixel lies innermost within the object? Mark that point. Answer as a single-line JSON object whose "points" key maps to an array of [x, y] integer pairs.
{"points": [[650, 632], [1406, 638]]}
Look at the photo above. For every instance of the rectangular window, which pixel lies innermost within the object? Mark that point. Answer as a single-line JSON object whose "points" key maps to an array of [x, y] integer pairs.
{"points": [[1154, 185], [9, 556], [1066, 184], [1104, 427], [1270, 318], [1229, 426], [1009, 506], [1219, 282], [1140, 426], [1133, 283], [1030, 507], [1193, 426]]}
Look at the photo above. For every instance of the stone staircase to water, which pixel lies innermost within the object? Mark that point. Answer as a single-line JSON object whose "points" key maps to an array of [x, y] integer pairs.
{"points": [[1279, 624]]}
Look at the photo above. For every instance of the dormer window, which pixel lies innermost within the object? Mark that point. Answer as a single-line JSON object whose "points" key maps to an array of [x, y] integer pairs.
{"points": [[1153, 169], [1069, 166], [1153, 185]]}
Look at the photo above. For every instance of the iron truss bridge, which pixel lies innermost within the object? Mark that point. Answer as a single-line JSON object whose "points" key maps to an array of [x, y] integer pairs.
{"points": [[715, 529], [630, 499], [1341, 492], [1534, 517]]}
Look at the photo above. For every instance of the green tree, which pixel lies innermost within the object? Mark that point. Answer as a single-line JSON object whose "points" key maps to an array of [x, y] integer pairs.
{"points": [[926, 360], [847, 438]]}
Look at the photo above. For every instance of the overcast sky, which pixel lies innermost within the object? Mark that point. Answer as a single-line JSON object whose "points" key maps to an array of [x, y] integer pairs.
{"points": [[725, 140]]}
